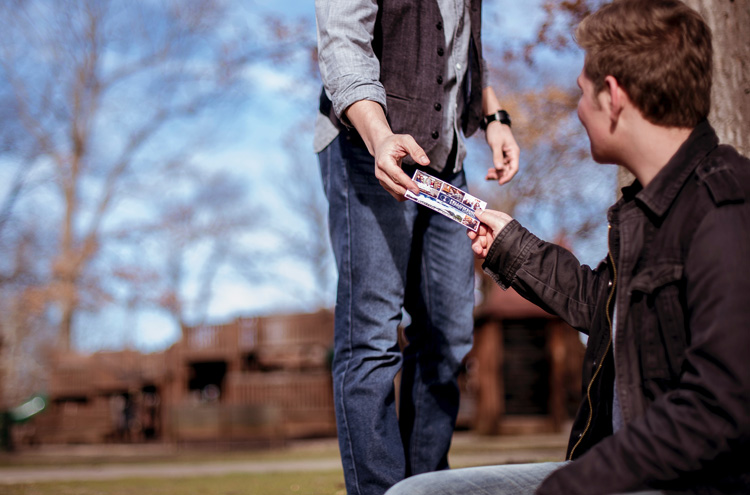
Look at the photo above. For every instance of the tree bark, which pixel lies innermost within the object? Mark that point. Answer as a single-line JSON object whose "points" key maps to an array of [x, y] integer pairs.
{"points": [[729, 21]]}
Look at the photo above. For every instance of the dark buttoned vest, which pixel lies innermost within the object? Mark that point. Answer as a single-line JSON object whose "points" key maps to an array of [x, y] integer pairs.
{"points": [[409, 42]]}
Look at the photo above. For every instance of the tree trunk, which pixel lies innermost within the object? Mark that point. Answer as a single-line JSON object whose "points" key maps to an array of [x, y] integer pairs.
{"points": [[729, 21]]}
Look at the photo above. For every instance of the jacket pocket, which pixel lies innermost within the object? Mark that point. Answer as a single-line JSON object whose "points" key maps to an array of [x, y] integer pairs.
{"points": [[658, 294]]}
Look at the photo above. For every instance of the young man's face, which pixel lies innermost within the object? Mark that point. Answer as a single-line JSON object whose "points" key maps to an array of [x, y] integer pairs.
{"points": [[595, 119]]}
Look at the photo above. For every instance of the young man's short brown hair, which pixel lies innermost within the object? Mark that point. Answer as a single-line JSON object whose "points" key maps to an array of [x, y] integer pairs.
{"points": [[659, 51]]}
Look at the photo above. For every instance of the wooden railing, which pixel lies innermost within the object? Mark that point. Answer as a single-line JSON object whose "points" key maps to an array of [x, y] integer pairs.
{"points": [[248, 334]]}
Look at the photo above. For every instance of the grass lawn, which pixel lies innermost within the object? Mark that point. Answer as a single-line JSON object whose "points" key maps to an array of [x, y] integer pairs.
{"points": [[468, 450], [312, 483]]}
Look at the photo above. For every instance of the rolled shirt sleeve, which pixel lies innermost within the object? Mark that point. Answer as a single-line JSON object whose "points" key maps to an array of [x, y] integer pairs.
{"points": [[348, 66]]}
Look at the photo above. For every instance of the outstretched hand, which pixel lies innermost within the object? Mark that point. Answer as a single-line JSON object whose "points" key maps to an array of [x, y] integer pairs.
{"points": [[389, 149], [388, 156], [492, 222]]}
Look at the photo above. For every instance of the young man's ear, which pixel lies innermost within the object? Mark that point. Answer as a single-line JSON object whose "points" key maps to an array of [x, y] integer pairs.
{"points": [[616, 98]]}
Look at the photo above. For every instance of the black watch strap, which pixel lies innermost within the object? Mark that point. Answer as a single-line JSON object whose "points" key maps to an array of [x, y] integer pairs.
{"points": [[501, 116]]}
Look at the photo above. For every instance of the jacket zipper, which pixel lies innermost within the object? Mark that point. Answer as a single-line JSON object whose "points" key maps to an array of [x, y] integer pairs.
{"points": [[601, 361]]}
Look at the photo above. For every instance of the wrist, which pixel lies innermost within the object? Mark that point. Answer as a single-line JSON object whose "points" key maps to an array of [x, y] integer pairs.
{"points": [[368, 118], [378, 139], [500, 116]]}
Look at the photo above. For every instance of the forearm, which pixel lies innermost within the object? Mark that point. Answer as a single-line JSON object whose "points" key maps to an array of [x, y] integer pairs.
{"points": [[490, 101], [369, 119], [546, 274]]}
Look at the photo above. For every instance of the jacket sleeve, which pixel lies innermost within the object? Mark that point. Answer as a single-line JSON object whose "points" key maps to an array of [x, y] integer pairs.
{"points": [[546, 274], [701, 429], [348, 65]]}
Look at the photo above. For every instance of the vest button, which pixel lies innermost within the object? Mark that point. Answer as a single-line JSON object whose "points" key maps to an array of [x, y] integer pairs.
{"points": [[440, 52], [438, 106], [435, 134], [439, 26], [439, 79]]}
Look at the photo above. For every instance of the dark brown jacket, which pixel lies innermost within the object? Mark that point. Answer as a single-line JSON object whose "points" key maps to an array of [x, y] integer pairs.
{"points": [[678, 270]]}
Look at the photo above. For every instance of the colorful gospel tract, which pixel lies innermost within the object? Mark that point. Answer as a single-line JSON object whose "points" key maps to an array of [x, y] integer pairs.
{"points": [[447, 199]]}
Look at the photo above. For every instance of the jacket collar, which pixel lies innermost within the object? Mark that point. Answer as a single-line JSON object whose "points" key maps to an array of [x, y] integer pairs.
{"points": [[661, 192]]}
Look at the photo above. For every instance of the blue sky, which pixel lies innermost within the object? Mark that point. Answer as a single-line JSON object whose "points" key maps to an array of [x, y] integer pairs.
{"points": [[253, 144]]}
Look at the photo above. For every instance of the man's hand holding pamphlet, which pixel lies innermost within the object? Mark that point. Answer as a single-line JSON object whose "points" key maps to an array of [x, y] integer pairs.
{"points": [[447, 199]]}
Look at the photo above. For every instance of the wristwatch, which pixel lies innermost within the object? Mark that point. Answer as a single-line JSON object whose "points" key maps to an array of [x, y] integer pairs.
{"points": [[501, 116]]}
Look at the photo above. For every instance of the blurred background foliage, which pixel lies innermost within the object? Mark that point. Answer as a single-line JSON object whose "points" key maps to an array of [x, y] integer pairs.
{"points": [[156, 166]]}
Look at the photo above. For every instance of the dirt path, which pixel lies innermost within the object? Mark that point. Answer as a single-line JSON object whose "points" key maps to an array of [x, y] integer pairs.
{"points": [[467, 450], [11, 476]]}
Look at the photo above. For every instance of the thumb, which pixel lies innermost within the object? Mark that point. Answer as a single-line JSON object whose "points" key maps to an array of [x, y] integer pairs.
{"points": [[415, 151], [495, 220]]}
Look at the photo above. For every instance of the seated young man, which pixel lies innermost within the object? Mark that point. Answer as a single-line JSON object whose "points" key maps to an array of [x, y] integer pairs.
{"points": [[667, 313]]}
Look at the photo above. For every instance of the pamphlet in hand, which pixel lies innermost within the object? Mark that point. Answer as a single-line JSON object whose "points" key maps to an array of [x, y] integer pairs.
{"points": [[447, 199]]}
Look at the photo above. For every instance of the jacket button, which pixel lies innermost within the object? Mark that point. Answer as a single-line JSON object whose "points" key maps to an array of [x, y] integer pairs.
{"points": [[439, 26], [438, 106], [440, 52], [435, 134], [439, 79], [609, 284]]}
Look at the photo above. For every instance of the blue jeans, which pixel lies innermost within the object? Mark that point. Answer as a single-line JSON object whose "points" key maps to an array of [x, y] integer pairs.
{"points": [[394, 256], [508, 479]]}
